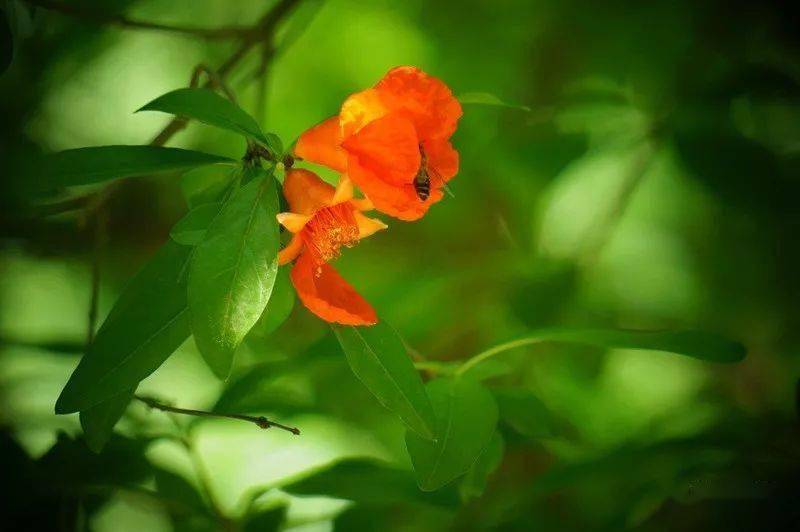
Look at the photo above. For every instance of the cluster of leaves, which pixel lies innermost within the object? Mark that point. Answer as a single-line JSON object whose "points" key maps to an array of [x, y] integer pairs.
{"points": [[215, 281]]}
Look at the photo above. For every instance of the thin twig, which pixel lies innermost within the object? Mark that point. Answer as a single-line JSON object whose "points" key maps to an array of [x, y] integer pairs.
{"points": [[215, 81], [263, 30], [121, 21], [259, 421]]}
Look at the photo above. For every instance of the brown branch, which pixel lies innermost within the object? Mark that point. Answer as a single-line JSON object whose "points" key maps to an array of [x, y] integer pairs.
{"points": [[263, 31], [259, 421], [121, 21]]}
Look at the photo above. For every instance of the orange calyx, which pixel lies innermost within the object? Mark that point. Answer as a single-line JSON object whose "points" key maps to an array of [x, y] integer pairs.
{"points": [[328, 230]]}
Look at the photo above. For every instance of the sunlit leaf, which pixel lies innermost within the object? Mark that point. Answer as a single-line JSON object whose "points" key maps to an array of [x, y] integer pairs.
{"points": [[379, 359], [148, 322], [84, 166], [696, 344], [474, 482], [485, 98], [191, 229], [233, 271], [466, 417], [98, 421], [207, 106]]}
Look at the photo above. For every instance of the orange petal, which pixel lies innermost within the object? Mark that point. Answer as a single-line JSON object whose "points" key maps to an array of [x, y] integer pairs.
{"points": [[344, 190], [362, 204], [389, 147], [426, 100], [323, 291], [442, 161], [293, 222], [306, 192], [291, 251], [399, 201], [320, 145], [367, 226], [359, 110]]}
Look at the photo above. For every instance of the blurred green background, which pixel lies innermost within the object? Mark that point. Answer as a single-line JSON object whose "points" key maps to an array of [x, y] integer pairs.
{"points": [[645, 175]]}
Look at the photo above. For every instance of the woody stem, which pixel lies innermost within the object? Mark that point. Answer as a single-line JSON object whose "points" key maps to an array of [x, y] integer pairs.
{"points": [[259, 421]]}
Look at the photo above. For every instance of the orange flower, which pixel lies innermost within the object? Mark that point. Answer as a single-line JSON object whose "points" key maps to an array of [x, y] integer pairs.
{"points": [[324, 219], [392, 141]]}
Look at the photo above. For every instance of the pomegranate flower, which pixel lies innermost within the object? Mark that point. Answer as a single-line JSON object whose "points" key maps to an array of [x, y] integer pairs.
{"points": [[393, 141], [322, 220]]}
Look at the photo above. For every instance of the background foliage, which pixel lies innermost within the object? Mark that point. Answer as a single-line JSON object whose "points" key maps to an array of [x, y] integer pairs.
{"points": [[643, 174]]}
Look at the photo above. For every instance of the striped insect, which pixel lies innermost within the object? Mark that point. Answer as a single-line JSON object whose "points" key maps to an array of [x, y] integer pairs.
{"points": [[422, 181]]}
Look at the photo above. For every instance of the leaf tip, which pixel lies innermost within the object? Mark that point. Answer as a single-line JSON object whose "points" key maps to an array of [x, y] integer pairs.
{"points": [[65, 404]]}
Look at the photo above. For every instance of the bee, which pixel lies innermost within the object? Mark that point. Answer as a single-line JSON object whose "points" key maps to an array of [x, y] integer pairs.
{"points": [[422, 181]]}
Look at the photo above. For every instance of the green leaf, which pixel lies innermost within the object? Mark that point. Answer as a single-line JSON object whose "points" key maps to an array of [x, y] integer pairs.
{"points": [[379, 359], [485, 98], [279, 307], [233, 271], [356, 479], [268, 387], [84, 166], [207, 184], [466, 416], [207, 106], [191, 229], [695, 344], [474, 482], [147, 323], [524, 412], [98, 421]]}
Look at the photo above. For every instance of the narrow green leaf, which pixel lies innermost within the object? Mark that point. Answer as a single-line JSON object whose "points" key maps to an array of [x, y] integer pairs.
{"points": [[485, 98], [207, 106], [84, 166], [695, 344], [191, 229], [148, 322], [98, 421], [279, 307], [379, 359], [474, 482], [355, 480], [233, 271], [466, 417]]}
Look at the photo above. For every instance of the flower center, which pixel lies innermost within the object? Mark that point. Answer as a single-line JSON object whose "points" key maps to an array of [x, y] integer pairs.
{"points": [[329, 230]]}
